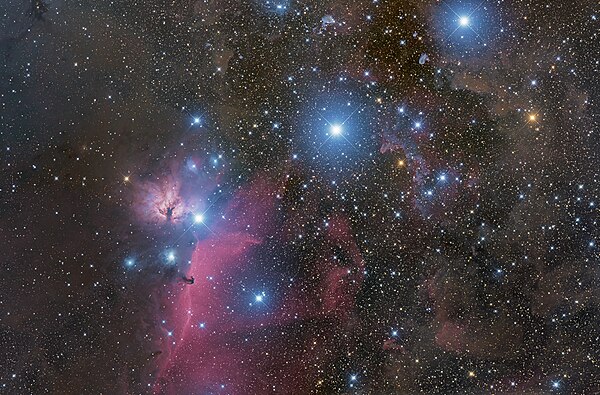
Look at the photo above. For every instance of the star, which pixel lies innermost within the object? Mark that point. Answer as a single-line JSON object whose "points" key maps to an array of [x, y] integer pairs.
{"points": [[199, 218], [336, 129], [464, 21]]}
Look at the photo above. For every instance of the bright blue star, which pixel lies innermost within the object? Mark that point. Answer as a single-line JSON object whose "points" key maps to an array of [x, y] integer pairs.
{"points": [[199, 218], [466, 27], [277, 6], [336, 129], [336, 135], [170, 256]]}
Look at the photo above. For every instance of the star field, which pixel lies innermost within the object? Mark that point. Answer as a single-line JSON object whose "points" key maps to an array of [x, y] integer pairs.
{"points": [[299, 197]]}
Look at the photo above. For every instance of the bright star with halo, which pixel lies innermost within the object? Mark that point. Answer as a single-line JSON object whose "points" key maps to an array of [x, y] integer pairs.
{"points": [[336, 129]]}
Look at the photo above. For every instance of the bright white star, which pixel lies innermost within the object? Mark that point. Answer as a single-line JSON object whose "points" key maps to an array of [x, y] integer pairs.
{"points": [[336, 130], [464, 21]]}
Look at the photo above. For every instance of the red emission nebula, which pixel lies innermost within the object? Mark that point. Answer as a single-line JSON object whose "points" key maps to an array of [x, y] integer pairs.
{"points": [[208, 344]]}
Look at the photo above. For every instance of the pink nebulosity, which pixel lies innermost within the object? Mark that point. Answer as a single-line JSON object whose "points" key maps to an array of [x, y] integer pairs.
{"points": [[160, 200], [217, 343], [174, 192]]}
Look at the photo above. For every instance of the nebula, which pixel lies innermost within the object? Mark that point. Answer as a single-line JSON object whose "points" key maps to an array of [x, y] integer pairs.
{"points": [[299, 197], [206, 345]]}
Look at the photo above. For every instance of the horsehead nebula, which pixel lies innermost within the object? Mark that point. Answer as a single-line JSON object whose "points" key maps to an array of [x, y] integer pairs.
{"points": [[211, 322]]}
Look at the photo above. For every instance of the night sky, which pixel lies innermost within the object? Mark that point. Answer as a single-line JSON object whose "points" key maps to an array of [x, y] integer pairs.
{"points": [[299, 197]]}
